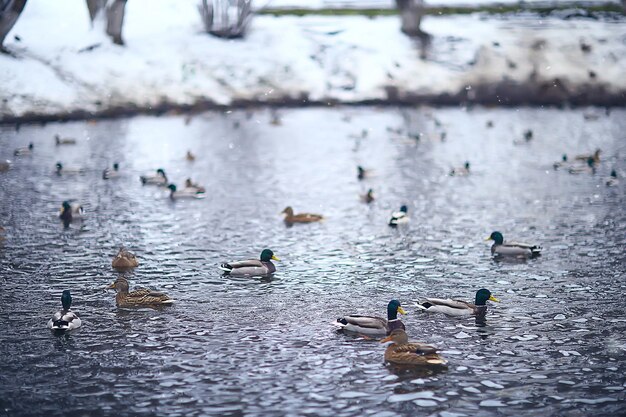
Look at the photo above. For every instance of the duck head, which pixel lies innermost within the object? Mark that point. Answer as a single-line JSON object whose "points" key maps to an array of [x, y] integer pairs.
{"points": [[393, 308], [30, 146], [66, 299], [397, 336], [404, 209], [116, 166], [267, 255], [467, 165], [120, 285], [188, 182], [59, 167], [57, 139], [161, 172], [483, 295], [172, 187], [496, 237], [288, 211], [613, 173]]}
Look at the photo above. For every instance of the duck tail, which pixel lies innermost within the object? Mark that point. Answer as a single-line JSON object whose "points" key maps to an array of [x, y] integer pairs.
{"points": [[536, 250], [143, 180], [226, 268], [61, 325], [423, 306]]}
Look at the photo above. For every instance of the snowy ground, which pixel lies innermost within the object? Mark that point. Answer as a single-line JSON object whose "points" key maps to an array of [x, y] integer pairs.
{"points": [[168, 59]]}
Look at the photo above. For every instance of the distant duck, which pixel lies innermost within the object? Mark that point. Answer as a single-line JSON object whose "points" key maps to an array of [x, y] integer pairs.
{"points": [[124, 260], [290, 217], [159, 179], [109, 173], [451, 307], [588, 168], [372, 325], [362, 173], [594, 156], [64, 141], [461, 171], [5, 165], [368, 197], [71, 210], [190, 157], [63, 170], [612, 181], [399, 217], [514, 249], [184, 193], [138, 298], [528, 135], [64, 320], [403, 352], [27, 150], [562, 163], [252, 267], [190, 185]]}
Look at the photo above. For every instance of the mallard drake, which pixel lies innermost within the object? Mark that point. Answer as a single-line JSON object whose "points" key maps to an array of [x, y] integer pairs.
{"points": [[595, 156], [403, 352], [459, 308], [252, 267], [159, 179], [64, 141], [362, 173], [109, 173], [517, 249], [368, 197], [190, 185], [190, 157], [124, 260], [461, 171], [64, 320], [528, 135], [371, 325], [561, 163], [63, 170], [399, 217], [588, 168], [27, 150], [138, 298], [184, 193], [612, 181], [5, 165], [71, 210], [300, 217]]}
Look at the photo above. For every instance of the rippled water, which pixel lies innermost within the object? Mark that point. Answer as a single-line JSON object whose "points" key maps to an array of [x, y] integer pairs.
{"points": [[555, 344]]}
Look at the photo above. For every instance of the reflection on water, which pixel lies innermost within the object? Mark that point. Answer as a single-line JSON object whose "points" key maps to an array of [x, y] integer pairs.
{"points": [[233, 346]]}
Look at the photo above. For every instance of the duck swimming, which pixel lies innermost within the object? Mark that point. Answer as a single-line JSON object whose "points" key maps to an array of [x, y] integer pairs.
{"points": [[371, 325], [516, 249], [252, 267], [190, 157], [109, 173], [459, 308], [290, 217], [368, 197], [403, 352], [159, 179], [60, 170], [124, 260], [190, 185], [64, 320], [64, 141], [5, 165], [71, 210], [612, 181], [28, 150], [399, 217], [461, 171], [184, 193], [138, 298], [595, 156]]}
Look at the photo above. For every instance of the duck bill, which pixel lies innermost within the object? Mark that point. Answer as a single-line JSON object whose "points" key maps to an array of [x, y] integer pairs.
{"points": [[110, 287], [488, 238], [401, 310], [275, 258], [492, 298], [386, 339]]}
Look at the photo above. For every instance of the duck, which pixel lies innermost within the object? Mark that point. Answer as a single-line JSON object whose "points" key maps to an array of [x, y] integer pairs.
{"points": [[190, 157], [362, 172], [190, 185], [64, 320], [184, 193], [124, 260], [528, 135], [64, 141], [459, 308], [24, 151], [60, 170], [399, 217], [5, 165], [290, 217], [71, 210], [253, 267], [561, 163], [371, 325], [159, 179], [368, 197], [612, 181], [461, 171], [588, 168], [109, 173], [402, 352], [595, 156], [138, 298], [516, 249]]}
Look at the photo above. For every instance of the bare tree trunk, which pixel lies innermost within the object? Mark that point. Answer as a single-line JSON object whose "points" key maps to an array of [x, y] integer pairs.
{"points": [[115, 20], [9, 13], [94, 6], [411, 12], [226, 18]]}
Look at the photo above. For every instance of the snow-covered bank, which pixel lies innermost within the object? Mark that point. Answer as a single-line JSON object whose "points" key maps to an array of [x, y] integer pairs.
{"points": [[169, 61]]}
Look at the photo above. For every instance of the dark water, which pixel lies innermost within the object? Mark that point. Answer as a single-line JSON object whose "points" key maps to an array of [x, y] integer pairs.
{"points": [[555, 344]]}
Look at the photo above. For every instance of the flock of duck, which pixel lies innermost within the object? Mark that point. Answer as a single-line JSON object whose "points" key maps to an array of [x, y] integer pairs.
{"points": [[399, 351]]}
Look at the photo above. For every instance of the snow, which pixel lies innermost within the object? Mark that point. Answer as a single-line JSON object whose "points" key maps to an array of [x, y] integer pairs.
{"points": [[168, 58], [388, 4]]}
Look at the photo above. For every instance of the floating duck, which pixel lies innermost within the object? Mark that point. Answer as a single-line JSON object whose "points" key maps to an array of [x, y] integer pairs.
{"points": [[64, 320], [190, 185], [71, 210], [109, 173], [24, 151], [252, 267], [399, 217], [588, 168], [595, 156], [63, 170], [159, 179], [371, 325], [368, 197], [517, 249], [5, 165], [184, 193], [124, 260], [362, 172], [64, 141], [190, 157], [612, 181], [561, 163], [461, 171], [138, 298], [403, 352], [300, 217], [459, 308]]}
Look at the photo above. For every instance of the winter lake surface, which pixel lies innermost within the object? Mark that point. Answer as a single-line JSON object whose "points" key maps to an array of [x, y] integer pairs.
{"points": [[555, 345]]}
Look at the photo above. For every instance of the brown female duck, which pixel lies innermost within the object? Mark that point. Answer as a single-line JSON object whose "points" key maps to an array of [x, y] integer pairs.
{"points": [[138, 298], [403, 352], [124, 260], [290, 217]]}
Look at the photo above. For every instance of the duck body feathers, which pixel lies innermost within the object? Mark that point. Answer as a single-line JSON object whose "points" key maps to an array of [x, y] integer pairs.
{"points": [[448, 307], [64, 320], [516, 249], [403, 352], [251, 267], [290, 217], [369, 325]]}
